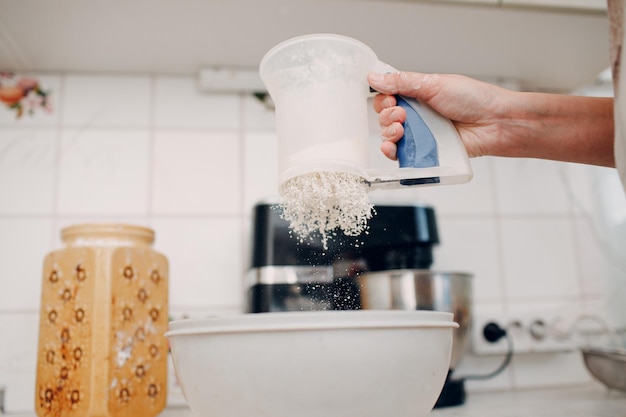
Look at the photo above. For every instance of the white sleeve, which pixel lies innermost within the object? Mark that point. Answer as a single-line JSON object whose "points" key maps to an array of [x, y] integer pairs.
{"points": [[620, 99]]}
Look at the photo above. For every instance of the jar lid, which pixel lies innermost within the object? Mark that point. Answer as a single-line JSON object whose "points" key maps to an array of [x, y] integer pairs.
{"points": [[94, 233]]}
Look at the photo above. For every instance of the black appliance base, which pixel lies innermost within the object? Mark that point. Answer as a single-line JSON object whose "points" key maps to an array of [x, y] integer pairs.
{"points": [[452, 394]]}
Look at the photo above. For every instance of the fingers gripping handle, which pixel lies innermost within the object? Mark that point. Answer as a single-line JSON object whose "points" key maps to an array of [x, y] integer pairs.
{"points": [[431, 149], [418, 147]]}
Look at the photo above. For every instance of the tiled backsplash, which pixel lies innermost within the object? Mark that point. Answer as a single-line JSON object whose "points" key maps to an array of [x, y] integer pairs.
{"points": [[151, 150]]}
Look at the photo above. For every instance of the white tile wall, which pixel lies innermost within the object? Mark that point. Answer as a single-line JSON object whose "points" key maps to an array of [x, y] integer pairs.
{"points": [[103, 171], [18, 358], [472, 244], [592, 261], [177, 104], [196, 172], [530, 186], [27, 171], [260, 166], [555, 369], [24, 241], [207, 265], [93, 101], [151, 150], [539, 258]]}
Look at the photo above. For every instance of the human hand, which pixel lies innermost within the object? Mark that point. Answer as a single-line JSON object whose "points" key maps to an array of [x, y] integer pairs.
{"points": [[477, 109]]}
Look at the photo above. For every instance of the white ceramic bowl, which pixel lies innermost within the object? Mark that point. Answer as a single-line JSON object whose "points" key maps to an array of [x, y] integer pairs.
{"points": [[313, 364]]}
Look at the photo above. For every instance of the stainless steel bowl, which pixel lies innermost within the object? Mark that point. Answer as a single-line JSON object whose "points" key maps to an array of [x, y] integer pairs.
{"points": [[607, 365], [414, 289]]}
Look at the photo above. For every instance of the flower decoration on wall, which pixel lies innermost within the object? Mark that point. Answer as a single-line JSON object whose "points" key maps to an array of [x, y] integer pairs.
{"points": [[23, 94]]}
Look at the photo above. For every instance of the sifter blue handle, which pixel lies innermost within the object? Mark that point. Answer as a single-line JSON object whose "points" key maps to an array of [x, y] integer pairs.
{"points": [[418, 147]]}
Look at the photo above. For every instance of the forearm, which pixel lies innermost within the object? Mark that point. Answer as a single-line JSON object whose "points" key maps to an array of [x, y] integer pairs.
{"points": [[560, 127]]}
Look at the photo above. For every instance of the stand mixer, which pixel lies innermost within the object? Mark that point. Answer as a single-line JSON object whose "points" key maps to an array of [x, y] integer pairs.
{"points": [[319, 87]]}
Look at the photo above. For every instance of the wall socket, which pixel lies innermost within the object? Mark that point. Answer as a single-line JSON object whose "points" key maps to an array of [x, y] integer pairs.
{"points": [[529, 333]]}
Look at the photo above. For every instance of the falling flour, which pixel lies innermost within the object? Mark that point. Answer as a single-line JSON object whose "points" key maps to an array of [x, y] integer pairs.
{"points": [[324, 202]]}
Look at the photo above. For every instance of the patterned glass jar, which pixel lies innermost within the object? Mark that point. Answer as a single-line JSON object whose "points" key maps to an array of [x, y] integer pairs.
{"points": [[104, 310]]}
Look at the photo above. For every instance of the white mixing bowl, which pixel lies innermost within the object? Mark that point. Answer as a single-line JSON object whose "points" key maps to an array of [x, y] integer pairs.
{"points": [[313, 364]]}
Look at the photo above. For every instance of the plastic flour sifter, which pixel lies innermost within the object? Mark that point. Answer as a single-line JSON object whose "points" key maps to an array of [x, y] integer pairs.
{"points": [[319, 87]]}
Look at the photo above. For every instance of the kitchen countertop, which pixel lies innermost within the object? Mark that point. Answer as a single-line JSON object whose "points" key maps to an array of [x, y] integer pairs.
{"points": [[579, 401]]}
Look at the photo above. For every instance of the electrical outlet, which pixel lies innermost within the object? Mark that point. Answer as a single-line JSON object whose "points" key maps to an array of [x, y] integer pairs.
{"points": [[529, 332]]}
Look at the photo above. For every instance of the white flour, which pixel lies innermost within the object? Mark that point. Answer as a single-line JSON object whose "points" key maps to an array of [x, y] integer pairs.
{"points": [[324, 202]]}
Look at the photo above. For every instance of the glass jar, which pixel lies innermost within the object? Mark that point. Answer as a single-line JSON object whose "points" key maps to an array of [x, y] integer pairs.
{"points": [[104, 311]]}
